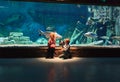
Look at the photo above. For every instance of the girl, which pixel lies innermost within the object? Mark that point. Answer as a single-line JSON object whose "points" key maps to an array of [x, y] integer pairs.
{"points": [[51, 45]]}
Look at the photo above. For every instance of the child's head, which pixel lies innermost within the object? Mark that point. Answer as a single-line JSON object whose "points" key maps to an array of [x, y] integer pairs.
{"points": [[67, 40], [52, 35]]}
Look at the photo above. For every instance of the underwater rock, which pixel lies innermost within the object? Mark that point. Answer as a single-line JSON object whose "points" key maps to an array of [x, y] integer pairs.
{"points": [[16, 38], [57, 41], [3, 39], [24, 38], [9, 42], [24, 42], [16, 34], [41, 41]]}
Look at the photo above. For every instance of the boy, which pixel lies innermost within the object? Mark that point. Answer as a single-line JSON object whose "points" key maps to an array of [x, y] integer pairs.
{"points": [[65, 49]]}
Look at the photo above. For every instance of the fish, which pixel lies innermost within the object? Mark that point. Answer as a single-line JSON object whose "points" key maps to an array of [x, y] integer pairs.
{"points": [[105, 37], [93, 35], [47, 34], [116, 38], [90, 35], [50, 28], [100, 42]]}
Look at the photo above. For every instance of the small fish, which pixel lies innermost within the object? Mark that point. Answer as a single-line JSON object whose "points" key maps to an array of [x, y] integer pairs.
{"points": [[100, 42], [50, 28], [105, 37], [93, 35], [116, 38], [47, 34], [90, 35]]}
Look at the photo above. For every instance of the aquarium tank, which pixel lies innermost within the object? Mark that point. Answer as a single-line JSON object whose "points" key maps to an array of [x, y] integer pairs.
{"points": [[31, 22]]}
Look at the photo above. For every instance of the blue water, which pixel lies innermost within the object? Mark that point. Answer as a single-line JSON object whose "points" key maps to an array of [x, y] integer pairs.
{"points": [[29, 17], [68, 20]]}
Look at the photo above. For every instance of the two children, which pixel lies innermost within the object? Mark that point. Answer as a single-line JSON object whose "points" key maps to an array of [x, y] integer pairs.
{"points": [[52, 44]]}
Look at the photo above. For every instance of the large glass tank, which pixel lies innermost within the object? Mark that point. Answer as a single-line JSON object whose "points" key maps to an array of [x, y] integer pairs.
{"points": [[31, 22]]}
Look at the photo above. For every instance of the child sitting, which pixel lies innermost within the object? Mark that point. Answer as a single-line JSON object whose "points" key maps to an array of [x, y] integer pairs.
{"points": [[65, 49]]}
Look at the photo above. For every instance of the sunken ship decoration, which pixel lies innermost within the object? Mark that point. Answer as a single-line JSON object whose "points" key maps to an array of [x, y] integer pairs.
{"points": [[104, 22], [100, 22]]}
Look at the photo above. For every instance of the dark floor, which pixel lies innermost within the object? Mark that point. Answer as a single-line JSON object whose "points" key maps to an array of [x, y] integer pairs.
{"points": [[58, 70]]}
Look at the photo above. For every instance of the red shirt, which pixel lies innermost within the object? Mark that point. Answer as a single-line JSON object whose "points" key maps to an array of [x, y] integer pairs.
{"points": [[51, 43]]}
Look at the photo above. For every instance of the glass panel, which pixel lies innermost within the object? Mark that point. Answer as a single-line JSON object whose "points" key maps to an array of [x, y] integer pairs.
{"points": [[31, 22]]}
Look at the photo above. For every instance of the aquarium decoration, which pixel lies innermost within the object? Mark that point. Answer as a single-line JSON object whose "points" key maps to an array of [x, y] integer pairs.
{"points": [[15, 38]]}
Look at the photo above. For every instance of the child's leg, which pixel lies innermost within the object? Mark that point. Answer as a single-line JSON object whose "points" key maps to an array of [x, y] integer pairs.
{"points": [[52, 52]]}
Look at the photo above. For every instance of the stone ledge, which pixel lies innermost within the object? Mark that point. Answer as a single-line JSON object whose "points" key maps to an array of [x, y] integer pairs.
{"points": [[40, 51]]}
